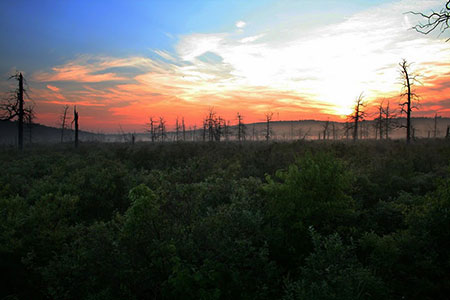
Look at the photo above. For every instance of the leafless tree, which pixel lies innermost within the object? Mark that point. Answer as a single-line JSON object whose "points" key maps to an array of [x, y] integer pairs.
{"points": [[13, 107], [326, 132], [162, 129], [357, 116], [269, 116], [29, 117], [183, 127], [241, 127], [379, 121], [408, 79], [434, 20], [63, 119], [213, 126], [389, 117], [75, 121], [153, 125]]}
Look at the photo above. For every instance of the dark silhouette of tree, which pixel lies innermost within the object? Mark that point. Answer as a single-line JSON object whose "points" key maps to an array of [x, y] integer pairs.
{"points": [[183, 127], [269, 116], [357, 116], [434, 20], [326, 132], [153, 129], [162, 129], [63, 119], [408, 81], [75, 120], [241, 127], [13, 107], [177, 130], [389, 117], [379, 122], [213, 126]]}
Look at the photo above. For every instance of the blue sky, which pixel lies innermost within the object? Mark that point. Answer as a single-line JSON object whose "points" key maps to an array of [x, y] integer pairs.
{"points": [[36, 34], [124, 61]]}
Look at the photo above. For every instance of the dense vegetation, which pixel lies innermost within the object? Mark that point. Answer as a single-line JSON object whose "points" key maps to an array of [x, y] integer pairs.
{"points": [[302, 220]]}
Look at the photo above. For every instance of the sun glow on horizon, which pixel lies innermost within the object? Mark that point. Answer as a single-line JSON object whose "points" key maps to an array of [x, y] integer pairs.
{"points": [[294, 71]]}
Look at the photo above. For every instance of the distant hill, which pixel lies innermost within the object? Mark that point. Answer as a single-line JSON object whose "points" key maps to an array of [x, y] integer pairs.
{"points": [[280, 130], [38, 133]]}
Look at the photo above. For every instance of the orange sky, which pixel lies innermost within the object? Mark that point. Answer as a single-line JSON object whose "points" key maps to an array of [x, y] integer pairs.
{"points": [[296, 72]]}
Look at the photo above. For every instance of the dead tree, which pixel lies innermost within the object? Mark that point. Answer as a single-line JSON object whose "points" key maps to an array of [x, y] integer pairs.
{"points": [[63, 120], [204, 130], [325, 129], [162, 129], [389, 119], [379, 122], [184, 129], [357, 116], [75, 120], [13, 107], [213, 126], [408, 81], [434, 20], [153, 130], [177, 130], [269, 116], [240, 127], [333, 125]]}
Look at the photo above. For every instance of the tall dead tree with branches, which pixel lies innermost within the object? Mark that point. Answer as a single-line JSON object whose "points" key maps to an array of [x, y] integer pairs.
{"points": [[13, 107], [408, 80], [357, 116]]}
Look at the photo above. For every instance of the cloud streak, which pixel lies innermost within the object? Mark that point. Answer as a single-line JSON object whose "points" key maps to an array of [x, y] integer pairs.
{"points": [[307, 74]]}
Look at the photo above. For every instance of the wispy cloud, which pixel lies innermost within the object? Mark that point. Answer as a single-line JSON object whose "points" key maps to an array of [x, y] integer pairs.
{"points": [[240, 24], [297, 73], [52, 88]]}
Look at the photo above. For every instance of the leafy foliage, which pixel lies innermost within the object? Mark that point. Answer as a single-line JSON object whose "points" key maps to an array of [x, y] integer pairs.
{"points": [[210, 221]]}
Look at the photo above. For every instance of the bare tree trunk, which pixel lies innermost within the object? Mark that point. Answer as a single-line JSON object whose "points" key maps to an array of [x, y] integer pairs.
{"points": [[21, 112], [75, 119], [355, 132], [184, 129], [268, 119], [63, 125], [408, 81]]}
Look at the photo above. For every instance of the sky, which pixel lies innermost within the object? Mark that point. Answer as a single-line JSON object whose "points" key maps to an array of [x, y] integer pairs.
{"points": [[122, 62]]}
